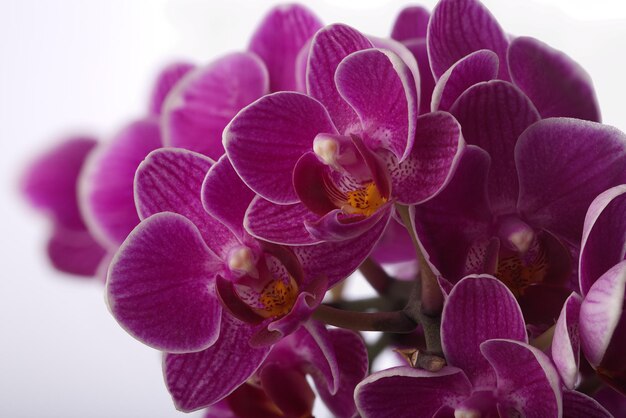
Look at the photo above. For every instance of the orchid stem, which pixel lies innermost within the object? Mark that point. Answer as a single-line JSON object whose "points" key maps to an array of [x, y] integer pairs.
{"points": [[426, 300], [395, 321], [376, 276]]}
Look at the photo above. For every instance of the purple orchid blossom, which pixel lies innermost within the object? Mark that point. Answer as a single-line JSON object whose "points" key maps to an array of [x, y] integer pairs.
{"points": [[174, 274], [330, 165], [492, 370], [50, 185], [279, 387], [595, 322], [461, 56]]}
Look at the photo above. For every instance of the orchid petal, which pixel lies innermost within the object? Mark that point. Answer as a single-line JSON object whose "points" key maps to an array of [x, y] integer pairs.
{"points": [[337, 260], [460, 27], [170, 180], [266, 139], [432, 160], [556, 84], [106, 188], [278, 40], [493, 115], [418, 48], [579, 405], [351, 355], [412, 22], [316, 347], [75, 251], [382, 91], [50, 181], [225, 196], [201, 105], [333, 227], [328, 48], [472, 69], [604, 236], [601, 312], [526, 378], [166, 81], [479, 308], [563, 164], [566, 342], [160, 285], [281, 224], [403, 392], [197, 380], [288, 389], [449, 224]]}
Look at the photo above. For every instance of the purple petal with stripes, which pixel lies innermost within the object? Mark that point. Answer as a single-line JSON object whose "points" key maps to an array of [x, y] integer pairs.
{"points": [[106, 188], [382, 91], [604, 236], [266, 139], [563, 164], [329, 47], [557, 85], [472, 69], [281, 224], [566, 342], [160, 285], [201, 106], [493, 115], [479, 308], [278, 40], [432, 160], [197, 380], [579, 405], [418, 48], [170, 180], [460, 27]]}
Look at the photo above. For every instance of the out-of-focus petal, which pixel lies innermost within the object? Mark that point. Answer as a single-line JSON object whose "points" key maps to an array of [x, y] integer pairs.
{"points": [[281, 224], [448, 225], [604, 236], [557, 85], [160, 285], [50, 181], [197, 380], [382, 91], [460, 27], [418, 48], [563, 164], [288, 388], [579, 405], [337, 260], [351, 357], [403, 392], [202, 104], [267, 138], [493, 115], [225, 196], [601, 312], [566, 342], [431, 163], [329, 47], [527, 380], [165, 82], [106, 185], [278, 40], [472, 69], [170, 180], [412, 22], [395, 245], [479, 308], [74, 251]]}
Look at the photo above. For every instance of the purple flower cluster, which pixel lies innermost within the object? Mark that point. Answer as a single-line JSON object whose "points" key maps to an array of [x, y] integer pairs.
{"points": [[226, 219]]}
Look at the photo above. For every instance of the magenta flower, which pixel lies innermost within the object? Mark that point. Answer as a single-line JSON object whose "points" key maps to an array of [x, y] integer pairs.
{"points": [[331, 164], [162, 282], [50, 185], [336, 359], [492, 370], [596, 321]]}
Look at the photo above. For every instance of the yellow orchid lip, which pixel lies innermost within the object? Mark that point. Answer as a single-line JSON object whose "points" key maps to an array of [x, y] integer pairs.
{"points": [[277, 298]]}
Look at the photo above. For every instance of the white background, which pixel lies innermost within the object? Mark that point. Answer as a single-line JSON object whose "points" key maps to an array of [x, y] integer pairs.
{"points": [[85, 66]]}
